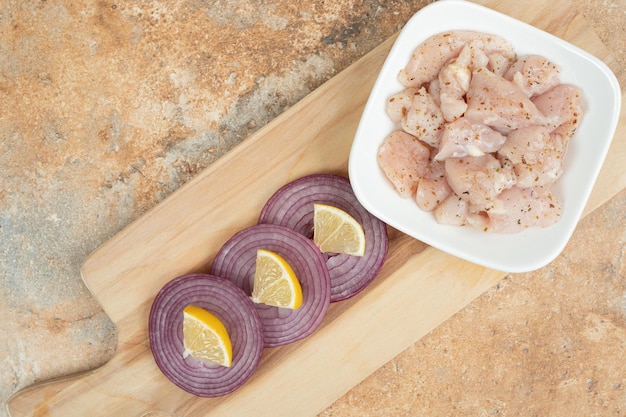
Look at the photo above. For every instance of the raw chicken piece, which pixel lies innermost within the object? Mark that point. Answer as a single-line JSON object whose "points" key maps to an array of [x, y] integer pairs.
{"points": [[562, 106], [433, 188], [404, 160], [456, 211], [536, 154], [533, 74], [431, 192], [452, 93], [526, 145], [399, 104], [523, 208], [499, 103], [543, 173], [434, 89], [479, 180], [499, 63], [431, 55], [424, 119], [462, 138], [454, 79]]}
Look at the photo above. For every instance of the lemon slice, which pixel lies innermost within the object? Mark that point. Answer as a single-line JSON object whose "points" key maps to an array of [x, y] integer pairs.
{"points": [[336, 231], [205, 337], [275, 283]]}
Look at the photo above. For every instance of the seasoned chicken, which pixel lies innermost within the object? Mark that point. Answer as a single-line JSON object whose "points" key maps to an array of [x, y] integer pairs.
{"points": [[534, 75], [454, 79], [562, 107], [452, 211], [457, 211], [499, 103], [462, 138], [404, 160], [482, 134], [479, 180], [399, 104], [431, 55], [543, 173], [433, 187], [499, 63], [526, 145], [434, 89], [424, 119], [523, 208], [536, 154]]}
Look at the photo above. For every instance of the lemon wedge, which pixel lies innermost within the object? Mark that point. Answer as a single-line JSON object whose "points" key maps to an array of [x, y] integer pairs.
{"points": [[275, 283], [336, 231], [205, 337]]}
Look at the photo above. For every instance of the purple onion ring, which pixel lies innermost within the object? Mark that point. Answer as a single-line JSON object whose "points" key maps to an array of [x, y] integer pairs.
{"points": [[292, 206], [236, 261], [232, 306]]}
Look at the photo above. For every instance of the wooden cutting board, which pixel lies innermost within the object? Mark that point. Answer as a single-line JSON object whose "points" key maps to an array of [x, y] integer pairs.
{"points": [[418, 288]]}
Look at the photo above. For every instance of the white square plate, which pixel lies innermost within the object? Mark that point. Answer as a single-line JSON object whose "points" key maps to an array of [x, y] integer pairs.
{"points": [[519, 252]]}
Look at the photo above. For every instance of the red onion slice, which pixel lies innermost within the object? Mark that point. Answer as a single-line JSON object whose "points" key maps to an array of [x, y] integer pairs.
{"points": [[236, 261], [232, 306], [292, 206]]}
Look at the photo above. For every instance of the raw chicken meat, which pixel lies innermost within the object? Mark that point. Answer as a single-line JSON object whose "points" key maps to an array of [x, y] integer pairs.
{"points": [[399, 104], [452, 211], [534, 75], [523, 208], [536, 154], [543, 173], [499, 103], [454, 79], [433, 187], [482, 135], [562, 107], [479, 180], [462, 138], [457, 211], [404, 160], [430, 56], [434, 89], [525, 145], [424, 118], [499, 63]]}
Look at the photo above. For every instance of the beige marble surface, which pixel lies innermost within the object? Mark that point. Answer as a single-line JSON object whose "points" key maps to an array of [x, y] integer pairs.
{"points": [[107, 107]]}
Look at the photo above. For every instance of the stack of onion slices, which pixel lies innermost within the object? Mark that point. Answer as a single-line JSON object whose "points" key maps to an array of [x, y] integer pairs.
{"points": [[234, 309], [285, 227]]}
